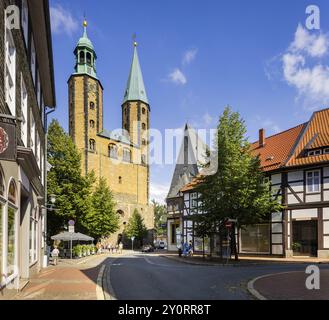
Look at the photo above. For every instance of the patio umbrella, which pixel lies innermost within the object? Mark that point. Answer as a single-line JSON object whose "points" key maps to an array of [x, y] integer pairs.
{"points": [[71, 236]]}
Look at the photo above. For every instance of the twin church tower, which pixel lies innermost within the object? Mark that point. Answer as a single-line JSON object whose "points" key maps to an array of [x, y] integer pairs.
{"points": [[120, 156]]}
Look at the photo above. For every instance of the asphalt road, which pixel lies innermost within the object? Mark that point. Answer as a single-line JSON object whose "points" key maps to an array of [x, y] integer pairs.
{"points": [[150, 277]]}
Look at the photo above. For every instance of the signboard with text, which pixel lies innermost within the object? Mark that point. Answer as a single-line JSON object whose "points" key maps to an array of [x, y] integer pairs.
{"points": [[7, 140]]}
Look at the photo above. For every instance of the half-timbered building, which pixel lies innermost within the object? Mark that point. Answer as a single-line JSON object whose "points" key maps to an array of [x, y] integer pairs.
{"points": [[296, 162]]}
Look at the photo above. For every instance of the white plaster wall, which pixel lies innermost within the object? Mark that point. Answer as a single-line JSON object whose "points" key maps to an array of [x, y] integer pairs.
{"points": [[326, 213], [295, 175], [277, 249], [325, 227], [276, 178], [277, 216], [292, 199], [305, 213], [297, 186], [326, 171], [313, 197], [276, 227], [186, 196]]}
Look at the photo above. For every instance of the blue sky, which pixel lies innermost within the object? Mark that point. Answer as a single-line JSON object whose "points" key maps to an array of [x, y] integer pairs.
{"points": [[199, 56]]}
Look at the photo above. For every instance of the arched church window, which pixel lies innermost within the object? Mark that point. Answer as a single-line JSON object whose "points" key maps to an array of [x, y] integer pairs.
{"points": [[92, 105], [113, 151], [121, 213], [88, 58], [144, 142], [92, 124], [143, 159], [143, 126], [92, 145], [126, 155], [120, 180], [144, 111], [82, 57]]}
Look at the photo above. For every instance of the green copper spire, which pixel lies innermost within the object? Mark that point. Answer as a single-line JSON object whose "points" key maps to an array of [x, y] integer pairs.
{"points": [[85, 55], [135, 90]]}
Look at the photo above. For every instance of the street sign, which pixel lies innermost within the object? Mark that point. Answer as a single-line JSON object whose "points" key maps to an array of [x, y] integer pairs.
{"points": [[132, 238], [71, 229], [228, 225]]}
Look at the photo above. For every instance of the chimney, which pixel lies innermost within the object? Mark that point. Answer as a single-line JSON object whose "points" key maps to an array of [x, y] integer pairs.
{"points": [[262, 138]]}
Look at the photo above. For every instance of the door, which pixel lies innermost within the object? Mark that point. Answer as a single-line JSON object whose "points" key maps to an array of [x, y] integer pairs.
{"points": [[305, 238]]}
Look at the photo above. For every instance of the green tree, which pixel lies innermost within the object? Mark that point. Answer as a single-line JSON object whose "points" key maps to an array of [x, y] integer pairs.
{"points": [[102, 220], [136, 227], [66, 182], [237, 190], [160, 218]]}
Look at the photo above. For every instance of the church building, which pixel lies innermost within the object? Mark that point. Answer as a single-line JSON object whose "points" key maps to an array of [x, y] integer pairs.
{"points": [[121, 156]]}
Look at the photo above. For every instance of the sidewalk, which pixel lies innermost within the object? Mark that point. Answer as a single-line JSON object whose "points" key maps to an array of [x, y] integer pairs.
{"points": [[289, 286], [243, 260], [69, 280]]}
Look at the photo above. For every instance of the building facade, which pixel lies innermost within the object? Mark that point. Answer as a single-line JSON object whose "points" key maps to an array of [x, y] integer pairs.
{"points": [[296, 162], [122, 155], [188, 166], [27, 88]]}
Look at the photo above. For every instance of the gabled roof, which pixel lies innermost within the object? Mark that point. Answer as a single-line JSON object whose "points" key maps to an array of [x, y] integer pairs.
{"points": [[191, 155], [315, 135], [135, 90], [277, 149]]}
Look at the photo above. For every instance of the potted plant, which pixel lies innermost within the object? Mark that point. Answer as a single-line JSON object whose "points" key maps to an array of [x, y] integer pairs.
{"points": [[88, 250], [77, 251], [84, 250], [296, 246], [93, 249]]}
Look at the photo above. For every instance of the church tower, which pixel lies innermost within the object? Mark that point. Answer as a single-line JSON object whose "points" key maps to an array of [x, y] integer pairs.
{"points": [[85, 99], [136, 111]]}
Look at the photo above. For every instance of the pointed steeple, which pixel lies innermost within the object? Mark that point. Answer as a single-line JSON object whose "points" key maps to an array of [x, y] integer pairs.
{"points": [[135, 90]]}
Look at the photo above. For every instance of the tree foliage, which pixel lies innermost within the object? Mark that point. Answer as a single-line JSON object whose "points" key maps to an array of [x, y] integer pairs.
{"points": [[160, 216], [136, 227], [102, 220], [237, 190]]}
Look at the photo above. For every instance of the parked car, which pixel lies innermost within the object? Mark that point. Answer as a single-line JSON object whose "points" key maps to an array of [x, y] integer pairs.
{"points": [[148, 248], [162, 245]]}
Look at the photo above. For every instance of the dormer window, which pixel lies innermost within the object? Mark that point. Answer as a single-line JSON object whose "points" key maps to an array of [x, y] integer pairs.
{"points": [[326, 151], [314, 153]]}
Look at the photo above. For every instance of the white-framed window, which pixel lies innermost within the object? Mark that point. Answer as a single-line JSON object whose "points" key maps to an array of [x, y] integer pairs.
{"points": [[33, 60], [313, 180], [10, 72], [25, 20], [24, 108], [194, 200], [315, 153], [33, 238], [32, 132], [326, 151]]}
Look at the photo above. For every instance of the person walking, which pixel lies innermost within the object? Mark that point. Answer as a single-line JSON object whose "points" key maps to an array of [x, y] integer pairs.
{"points": [[55, 254], [190, 249], [120, 247]]}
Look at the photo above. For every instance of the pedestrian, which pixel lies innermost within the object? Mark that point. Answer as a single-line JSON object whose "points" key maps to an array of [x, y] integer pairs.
{"points": [[190, 250], [109, 248], [55, 254], [180, 249], [120, 247]]}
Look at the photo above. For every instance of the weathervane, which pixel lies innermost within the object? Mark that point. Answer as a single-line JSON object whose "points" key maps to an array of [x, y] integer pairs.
{"points": [[134, 39]]}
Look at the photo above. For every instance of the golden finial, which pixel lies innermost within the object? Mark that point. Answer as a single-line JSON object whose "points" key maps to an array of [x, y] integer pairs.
{"points": [[85, 23]]}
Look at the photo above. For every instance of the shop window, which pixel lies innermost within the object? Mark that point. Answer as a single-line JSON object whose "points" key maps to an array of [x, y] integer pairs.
{"points": [[256, 239], [12, 194], [33, 239]]}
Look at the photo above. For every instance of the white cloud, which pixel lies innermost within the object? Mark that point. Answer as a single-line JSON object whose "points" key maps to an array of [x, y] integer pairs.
{"points": [[189, 56], [159, 192], [309, 77], [177, 77], [62, 21], [207, 118], [313, 45]]}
